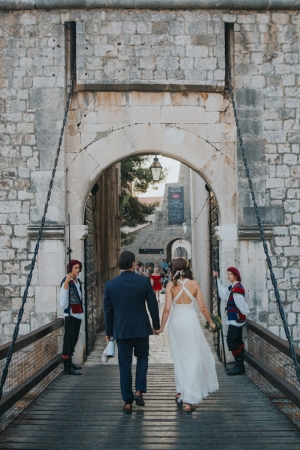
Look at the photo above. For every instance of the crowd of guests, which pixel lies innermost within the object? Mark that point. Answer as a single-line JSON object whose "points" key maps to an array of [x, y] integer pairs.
{"points": [[159, 274]]}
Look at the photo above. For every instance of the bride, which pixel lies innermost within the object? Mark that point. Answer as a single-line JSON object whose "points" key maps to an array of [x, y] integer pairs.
{"points": [[194, 365]]}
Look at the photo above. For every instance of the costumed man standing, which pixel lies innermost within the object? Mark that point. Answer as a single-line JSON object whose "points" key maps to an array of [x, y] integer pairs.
{"points": [[73, 320], [237, 310], [127, 320]]}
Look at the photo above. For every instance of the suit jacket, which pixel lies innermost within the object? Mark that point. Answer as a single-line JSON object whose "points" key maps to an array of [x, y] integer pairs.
{"points": [[125, 312]]}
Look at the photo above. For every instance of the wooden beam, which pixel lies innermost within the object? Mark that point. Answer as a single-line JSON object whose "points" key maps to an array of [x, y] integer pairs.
{"points": [[29, 338], [272, 339]]}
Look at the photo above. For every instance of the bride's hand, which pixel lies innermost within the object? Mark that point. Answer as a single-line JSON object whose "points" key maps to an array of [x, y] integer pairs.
{"points": [[212, 325], [157, 332]]}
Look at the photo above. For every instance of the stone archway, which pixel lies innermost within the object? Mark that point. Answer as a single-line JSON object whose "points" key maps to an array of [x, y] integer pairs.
{"points": [[208, 149], [214, 166], [182, 243]]}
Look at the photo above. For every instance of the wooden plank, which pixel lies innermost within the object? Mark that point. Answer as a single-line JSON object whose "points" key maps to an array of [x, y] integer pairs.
{"points": [[238, 415]]}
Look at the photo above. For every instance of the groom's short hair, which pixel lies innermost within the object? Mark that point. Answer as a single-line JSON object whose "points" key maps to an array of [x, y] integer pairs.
{"points": [[126, 259]]}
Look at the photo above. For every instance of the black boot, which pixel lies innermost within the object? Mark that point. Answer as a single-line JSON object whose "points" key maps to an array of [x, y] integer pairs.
{"points": [[239, 367], [69, 370], [75, 367]]}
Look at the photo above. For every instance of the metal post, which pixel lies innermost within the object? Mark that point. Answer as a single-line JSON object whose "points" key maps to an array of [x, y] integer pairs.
{"points": [[222, 335]]}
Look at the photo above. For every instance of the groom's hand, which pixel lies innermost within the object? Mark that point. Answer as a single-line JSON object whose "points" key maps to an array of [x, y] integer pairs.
{"points": [[108, 338]]}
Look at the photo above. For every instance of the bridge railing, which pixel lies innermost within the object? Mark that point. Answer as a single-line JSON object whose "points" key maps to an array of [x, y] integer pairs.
{"points": [[35, 362], [271, 367]]}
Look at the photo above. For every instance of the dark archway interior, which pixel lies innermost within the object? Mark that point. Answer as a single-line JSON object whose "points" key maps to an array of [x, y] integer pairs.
{"points": [[103, 244]]}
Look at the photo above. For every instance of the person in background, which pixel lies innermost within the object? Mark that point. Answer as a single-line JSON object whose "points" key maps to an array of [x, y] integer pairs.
{"points": [[143, 271], [156, 282], [164, 265], [73, 321], [162, 274], [237, 310], [167, 278]]}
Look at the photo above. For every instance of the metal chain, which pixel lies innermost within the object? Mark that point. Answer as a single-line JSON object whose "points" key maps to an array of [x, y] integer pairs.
{"points": [[33, 261], [274, 281]]}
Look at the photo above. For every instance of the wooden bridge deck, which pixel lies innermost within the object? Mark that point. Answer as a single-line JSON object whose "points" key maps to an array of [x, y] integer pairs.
{"points": [[85, 413]]}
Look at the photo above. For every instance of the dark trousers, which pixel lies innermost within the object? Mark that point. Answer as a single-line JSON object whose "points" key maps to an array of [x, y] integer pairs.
{"points": [[72, 324], [140, 346], [235, 341]]}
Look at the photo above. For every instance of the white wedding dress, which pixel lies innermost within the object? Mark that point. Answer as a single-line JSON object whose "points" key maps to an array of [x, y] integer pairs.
{"points": [[194, 364]]}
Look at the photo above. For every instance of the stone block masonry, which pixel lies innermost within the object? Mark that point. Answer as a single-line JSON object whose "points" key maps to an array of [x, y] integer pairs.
{"points": [[267, 72], [32, 91], [151, 47]]}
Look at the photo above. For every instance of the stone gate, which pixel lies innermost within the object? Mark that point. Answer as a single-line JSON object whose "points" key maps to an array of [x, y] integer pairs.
{"points": [[149, 81]]}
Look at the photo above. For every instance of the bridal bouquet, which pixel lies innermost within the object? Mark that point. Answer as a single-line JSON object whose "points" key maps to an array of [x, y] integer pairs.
{"points": [[217, 321]]}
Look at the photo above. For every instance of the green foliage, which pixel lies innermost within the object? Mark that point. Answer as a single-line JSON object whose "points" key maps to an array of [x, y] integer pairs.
{"points": [[136, 178], [126, 239]]}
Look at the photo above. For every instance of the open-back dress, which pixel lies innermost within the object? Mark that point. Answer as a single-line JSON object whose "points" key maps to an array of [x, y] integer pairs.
{"points": [[194, 364]]}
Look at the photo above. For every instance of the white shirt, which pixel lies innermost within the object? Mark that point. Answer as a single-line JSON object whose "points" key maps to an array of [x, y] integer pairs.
{"points": [[239, 300], [64, 300]]}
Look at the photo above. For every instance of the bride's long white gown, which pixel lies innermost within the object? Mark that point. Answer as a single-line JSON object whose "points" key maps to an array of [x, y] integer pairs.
{"points": [[194, 364]]}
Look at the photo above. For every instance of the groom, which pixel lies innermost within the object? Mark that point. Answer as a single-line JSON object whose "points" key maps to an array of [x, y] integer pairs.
{"points": [[127, 320]]}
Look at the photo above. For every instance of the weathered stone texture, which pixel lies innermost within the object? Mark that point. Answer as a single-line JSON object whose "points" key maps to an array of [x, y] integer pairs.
{"points": [[154, 47], [267, 70], [32, 83], [180, 47]]}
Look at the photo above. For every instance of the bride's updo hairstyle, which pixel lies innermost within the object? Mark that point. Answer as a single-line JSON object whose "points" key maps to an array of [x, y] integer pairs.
{"points": [[181, 268]]}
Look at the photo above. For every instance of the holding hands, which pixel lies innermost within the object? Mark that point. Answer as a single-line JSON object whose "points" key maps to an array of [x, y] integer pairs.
{"points": [[157, 332]]}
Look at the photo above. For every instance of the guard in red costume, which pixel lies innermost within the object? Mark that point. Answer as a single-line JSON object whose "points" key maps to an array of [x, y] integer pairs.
{"points": [[237, 310]]}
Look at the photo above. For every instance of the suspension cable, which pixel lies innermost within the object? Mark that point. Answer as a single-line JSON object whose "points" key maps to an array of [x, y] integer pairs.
{"points": [[274, 281], [33, 261]]}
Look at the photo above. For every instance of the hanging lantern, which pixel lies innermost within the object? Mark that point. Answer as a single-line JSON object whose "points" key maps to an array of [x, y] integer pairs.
{"points": [[184, 227], [156, 169]]}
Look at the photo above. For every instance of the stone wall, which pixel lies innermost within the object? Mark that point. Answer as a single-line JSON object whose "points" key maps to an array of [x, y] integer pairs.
{"points": [[158, 50], [267, 73], [32, 101], [152, 47]]}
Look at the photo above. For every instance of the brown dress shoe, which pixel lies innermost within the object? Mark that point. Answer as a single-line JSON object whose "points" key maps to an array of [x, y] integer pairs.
{"points": [[138, 397], [127, 408]]}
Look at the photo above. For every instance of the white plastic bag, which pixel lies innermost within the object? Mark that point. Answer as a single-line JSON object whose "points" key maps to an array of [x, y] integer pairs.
{"points": [[109, 351]]}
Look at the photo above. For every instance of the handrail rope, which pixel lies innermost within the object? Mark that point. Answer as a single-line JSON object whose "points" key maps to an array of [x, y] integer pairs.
{"points": [[274, 281], [33, 261]]}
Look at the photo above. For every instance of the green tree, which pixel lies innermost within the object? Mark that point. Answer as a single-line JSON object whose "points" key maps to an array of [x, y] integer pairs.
{"points": [[136, 178]]}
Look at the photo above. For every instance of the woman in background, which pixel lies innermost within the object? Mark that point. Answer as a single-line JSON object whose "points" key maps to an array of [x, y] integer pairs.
{"points": [[156, 282]]}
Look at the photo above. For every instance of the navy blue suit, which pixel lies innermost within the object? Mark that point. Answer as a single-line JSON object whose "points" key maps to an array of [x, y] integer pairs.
{"points": [[127, 320]]}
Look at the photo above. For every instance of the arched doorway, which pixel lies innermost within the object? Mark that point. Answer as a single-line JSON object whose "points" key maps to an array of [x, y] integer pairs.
{"points": [[97, 150], [182, 248]]}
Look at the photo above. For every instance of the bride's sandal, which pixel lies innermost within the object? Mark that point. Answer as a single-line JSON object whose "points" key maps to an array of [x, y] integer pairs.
{"points": [[189, 408], [177, 397]]}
